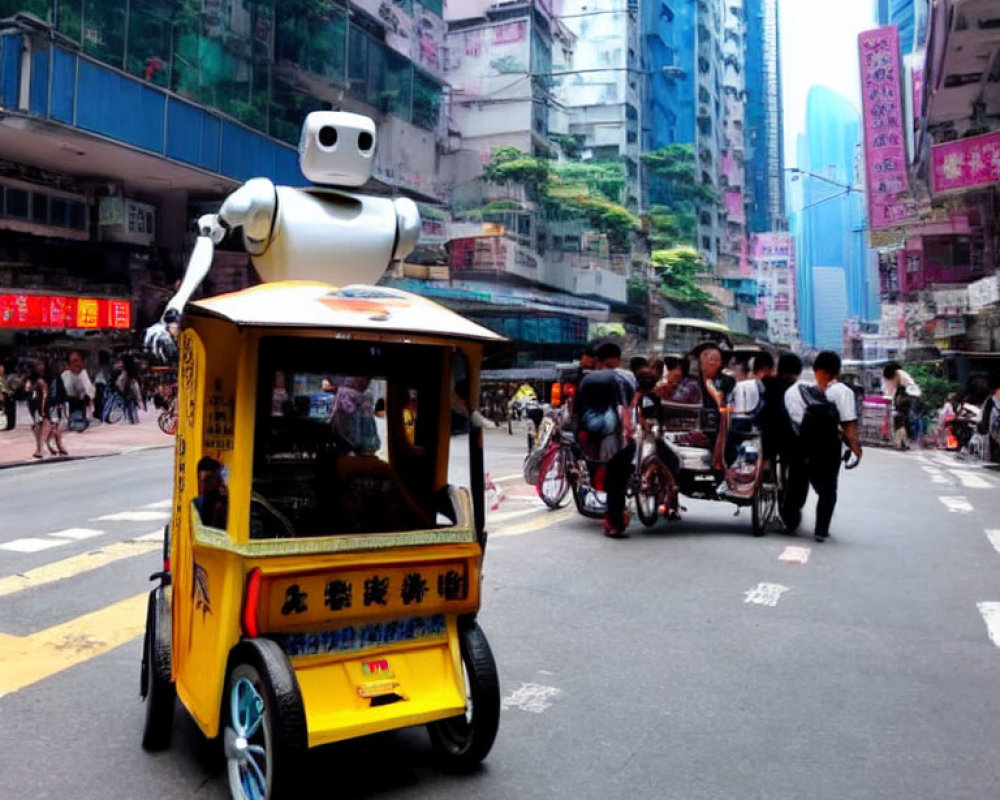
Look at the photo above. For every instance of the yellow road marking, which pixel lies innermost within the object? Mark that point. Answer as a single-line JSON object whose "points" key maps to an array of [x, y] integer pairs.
{"points": [[28, 659], [545, 519], [76, 565]]}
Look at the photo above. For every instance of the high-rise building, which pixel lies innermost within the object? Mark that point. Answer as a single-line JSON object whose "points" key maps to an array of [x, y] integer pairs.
{"points": [[765, 156], [828, 217], [830, 304], [909, 16]]}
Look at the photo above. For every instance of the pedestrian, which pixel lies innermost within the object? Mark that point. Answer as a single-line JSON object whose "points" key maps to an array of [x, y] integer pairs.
{"points": [[38, 392], [55, 410], [899, 386], [605, 429], [8, 394], [129, 387], [823, 415], [80, 390], [101, 380], [778, 439], [989, 422]]}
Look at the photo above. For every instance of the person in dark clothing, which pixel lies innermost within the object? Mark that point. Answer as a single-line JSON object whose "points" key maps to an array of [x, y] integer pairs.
{"points": [[212, 501], [820, 442], [8, 393], [603, 400], [778, 439]]}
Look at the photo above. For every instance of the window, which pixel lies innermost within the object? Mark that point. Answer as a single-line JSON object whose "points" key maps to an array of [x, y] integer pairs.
{"points": [[329, 416], [15, 203]]}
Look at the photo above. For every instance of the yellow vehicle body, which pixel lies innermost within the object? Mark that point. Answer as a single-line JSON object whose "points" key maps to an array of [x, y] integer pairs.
{"points": [[367, 617]]}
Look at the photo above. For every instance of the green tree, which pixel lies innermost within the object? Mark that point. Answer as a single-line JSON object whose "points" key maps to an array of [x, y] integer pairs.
{"points": [[678, 194], [678, 269]]}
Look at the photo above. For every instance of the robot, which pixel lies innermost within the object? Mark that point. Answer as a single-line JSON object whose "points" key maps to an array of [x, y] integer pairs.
{"points": [[315, 233]]}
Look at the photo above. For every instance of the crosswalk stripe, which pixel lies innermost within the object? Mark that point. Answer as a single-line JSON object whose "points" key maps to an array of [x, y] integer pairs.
{"points": [[159, 504], [31, 544], [75, 565], [971, 480], [133, 516], [993, 534], [77, 534], [29, 659]]}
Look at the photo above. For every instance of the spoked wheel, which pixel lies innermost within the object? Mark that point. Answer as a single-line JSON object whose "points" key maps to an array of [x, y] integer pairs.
{"points": [[588, 501], [265, 729], [115, 412], [652, 491], [765, 505], [167, 422], [553, 481], [156, 687], [462, 742]]}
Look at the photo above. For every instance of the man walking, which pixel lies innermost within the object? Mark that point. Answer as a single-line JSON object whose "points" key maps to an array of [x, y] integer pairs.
{"points": [[822, 415]]}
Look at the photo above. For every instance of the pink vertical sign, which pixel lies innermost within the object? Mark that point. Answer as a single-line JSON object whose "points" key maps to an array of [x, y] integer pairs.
{"points": [[885, 145]]}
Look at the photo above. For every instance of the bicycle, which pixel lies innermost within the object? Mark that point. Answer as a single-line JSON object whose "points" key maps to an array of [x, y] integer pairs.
{"points": [[168, 418], [114, 406]]}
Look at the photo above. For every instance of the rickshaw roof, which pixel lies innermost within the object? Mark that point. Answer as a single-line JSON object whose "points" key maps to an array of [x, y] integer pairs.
{"points": [[375, 309]]}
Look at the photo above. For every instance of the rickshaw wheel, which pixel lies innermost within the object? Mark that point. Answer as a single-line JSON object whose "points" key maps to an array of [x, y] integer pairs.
{"points": [[157, 689], [462, 742], [762, 508], [553, 480], [264, 734], [654, 485]]}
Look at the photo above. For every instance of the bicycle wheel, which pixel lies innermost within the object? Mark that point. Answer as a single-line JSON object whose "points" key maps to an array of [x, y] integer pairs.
{"points": [[764, 505], [653, 483], [553, 481], [114, 411]]}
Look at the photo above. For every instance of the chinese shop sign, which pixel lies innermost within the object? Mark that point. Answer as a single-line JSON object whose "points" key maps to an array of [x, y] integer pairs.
{"points": [[885, 144], [966, 163], [56, 312]]}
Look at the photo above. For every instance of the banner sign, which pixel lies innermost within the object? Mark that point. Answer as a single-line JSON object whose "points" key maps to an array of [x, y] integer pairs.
{"points": [[885, 142], [965, 163], [57, 312]]}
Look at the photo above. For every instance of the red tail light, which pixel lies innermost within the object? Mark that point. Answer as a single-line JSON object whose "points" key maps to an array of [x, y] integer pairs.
{"points": [[251, 604]]}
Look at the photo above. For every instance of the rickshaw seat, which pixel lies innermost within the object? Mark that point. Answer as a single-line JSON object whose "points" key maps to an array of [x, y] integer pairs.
{"points": [[372, 499]]}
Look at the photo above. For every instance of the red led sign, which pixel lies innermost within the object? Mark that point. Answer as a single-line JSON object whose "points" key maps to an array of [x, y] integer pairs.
{"points": [[45, 312]]}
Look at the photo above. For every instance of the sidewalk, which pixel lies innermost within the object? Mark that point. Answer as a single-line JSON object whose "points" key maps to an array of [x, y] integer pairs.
{"points": [[100, 439]]}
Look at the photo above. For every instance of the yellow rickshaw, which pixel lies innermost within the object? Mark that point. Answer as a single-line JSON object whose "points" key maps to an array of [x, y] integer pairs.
{"points": [[321, 574]]}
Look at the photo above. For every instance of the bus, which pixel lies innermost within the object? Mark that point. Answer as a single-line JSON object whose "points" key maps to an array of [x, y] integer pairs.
{"points": [[679, 335]]}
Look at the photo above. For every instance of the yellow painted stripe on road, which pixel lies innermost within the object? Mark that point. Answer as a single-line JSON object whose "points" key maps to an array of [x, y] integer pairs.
{"points": [[545, 519], [25, 660], [74, 565]]}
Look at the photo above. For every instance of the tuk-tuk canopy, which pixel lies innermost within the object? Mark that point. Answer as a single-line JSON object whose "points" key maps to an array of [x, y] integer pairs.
{"points": [[319, 305]]}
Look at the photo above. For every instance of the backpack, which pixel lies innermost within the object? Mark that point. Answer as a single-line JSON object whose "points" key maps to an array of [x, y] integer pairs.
{"points": [[821, 420]]}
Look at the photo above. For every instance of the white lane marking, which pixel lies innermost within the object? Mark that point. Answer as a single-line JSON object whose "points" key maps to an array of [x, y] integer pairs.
{"points": [[993, 534], [991, 616], [795, 555], [159, 504], [77, 533], [970, 480], [531, 697], [31, 545], [945, 461], [498, 517], [932, 470], [155, 536], [765, 594], [133, 516], [956, 504]]}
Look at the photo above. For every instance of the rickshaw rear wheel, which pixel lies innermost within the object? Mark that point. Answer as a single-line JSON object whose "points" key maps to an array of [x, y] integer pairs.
{"points": [[157, 689], [762, 508], [264, 732], [652, 491], [462, 742], [553, 480]]}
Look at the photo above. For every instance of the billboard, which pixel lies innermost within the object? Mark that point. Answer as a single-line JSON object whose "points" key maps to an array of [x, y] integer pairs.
{"points": [[885, 141], [965, 163], [59, 312]]}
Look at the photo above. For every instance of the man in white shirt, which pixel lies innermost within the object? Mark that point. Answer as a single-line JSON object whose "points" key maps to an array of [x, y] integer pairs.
{"points": [[79, 388], [833, 415]]}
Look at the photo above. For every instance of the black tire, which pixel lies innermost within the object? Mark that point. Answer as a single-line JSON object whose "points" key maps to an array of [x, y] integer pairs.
{"points": [[553, 486], [261, 679], [157, 689], [461, 743], [115, 412], [651, 490], [167, 422], [762, 508], [593, 511]]}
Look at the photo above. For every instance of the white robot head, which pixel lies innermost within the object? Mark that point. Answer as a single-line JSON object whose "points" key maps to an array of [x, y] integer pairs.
{"points": [[337, 148]]}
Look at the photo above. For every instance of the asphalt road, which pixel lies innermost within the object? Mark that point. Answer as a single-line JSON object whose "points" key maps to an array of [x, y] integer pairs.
{"points": [[690, 661]]}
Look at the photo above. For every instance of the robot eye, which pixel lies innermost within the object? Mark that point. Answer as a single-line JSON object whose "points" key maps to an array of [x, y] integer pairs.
{"points": [[327, 136], [365, 141]]}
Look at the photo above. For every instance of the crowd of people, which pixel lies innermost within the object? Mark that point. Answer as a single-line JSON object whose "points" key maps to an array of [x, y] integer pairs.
{"points": [[805, 425], [69, 393]]}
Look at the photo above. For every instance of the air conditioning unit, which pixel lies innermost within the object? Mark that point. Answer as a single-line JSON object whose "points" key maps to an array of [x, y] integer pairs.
{"points": [[121, 219]]}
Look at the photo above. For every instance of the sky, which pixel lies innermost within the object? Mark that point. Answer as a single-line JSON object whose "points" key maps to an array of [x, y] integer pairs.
{"points": [[819, 46]]}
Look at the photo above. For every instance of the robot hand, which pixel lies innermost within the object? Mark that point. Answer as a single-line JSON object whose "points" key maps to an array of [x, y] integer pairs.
{"points": [[251, 207]]}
